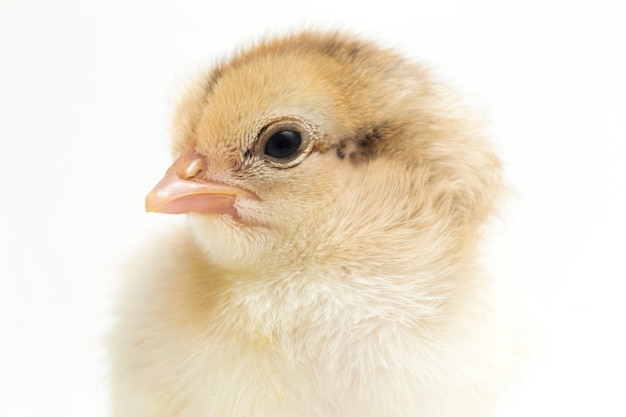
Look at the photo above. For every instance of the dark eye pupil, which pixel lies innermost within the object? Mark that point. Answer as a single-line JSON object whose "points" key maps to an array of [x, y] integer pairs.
{"points": [[283, 144]]}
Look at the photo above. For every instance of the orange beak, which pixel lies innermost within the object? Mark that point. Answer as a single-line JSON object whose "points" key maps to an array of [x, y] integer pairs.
{"points": [[185, 189]]}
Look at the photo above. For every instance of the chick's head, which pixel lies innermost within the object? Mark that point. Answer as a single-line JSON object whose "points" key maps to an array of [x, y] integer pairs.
{"points": [[322, 148]]}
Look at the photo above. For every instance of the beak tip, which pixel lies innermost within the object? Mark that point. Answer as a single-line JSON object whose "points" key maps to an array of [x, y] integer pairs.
{"points": [[149, 203]]}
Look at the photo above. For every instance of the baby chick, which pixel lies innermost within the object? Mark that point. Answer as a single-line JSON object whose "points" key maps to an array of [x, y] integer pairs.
{"points": [[336, 197]]}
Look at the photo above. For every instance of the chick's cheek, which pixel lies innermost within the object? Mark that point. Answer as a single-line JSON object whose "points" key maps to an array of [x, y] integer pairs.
{"points": [[227, 242]]}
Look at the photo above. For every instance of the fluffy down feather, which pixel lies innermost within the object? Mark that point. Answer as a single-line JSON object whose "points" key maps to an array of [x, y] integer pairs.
{"points": [[344, 282]]}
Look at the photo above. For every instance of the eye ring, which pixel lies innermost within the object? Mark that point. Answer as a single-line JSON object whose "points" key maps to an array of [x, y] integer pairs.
{"points": [[285, 143]]}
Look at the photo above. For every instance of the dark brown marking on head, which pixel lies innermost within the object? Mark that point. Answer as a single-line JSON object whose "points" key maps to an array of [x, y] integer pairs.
{"points": [[354, 51], [343, 51], [341, 150], [213, 79], [365, 144]]}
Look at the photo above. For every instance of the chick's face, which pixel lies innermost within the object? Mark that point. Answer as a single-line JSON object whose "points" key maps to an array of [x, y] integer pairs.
{"points": [[256, 157]]}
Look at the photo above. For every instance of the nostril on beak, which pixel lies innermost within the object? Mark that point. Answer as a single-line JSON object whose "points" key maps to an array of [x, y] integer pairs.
{"points": [[191, 166]]}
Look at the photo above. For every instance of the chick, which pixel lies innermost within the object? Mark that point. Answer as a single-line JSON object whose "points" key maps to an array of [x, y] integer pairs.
{"points": [[336, 197]]}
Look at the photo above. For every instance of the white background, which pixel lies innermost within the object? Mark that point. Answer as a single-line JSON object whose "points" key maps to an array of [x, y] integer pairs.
{"points": [[86, 90]]}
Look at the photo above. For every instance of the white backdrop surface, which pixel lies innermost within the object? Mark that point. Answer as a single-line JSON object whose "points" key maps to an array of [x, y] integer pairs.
{"points": [[86, 92]]}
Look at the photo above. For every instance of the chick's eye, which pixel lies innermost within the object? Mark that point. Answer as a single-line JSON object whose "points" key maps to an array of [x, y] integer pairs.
{"points": [[283, 144]]}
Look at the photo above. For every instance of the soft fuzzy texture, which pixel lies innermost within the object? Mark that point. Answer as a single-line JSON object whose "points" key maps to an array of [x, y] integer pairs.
{"points": [[353, 285]]}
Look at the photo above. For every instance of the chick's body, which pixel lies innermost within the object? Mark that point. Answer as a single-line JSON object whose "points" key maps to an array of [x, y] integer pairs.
{"points": [[339, 275]]}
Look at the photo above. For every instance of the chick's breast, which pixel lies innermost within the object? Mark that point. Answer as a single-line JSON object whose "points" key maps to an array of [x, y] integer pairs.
{"points": [[336, 195]]}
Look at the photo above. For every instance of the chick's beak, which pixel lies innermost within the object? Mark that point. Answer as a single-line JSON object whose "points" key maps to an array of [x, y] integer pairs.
{"points": [[185, 189]]}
